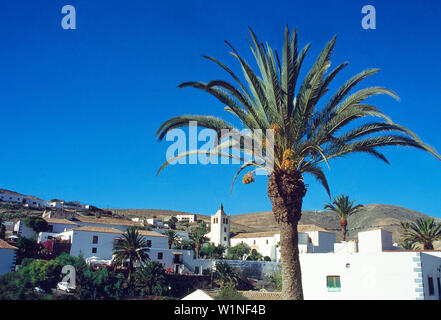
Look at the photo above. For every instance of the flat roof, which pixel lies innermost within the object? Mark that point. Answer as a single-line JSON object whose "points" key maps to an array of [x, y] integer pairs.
{"points": [[255, 234], [98, 229], [150, 233], [59, 221], [111, 221]]}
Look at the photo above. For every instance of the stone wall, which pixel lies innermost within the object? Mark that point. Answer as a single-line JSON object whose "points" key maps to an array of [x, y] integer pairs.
{"points": [[258, 270]]}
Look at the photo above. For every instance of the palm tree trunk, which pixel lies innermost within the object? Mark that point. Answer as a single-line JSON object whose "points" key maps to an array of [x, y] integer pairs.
{"points": [[129, 275], [343, 224], [286, 192], [196, 247]]}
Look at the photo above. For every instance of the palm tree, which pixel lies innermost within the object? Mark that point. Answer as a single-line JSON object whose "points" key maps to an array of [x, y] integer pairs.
{"points": [[149, 276], [304, 136], [172, 238], [408, 245], [132, 247], [424, 231], [197, 236], [344, 208], [226, 274]]}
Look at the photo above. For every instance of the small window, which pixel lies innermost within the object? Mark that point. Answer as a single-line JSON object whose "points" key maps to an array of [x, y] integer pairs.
{"points": [[149, 243], [159, 255], [225, 238], [196, 270], [95, 239], [439, 288], [431, 288], [333, 283], [254, 241], [225, 229], [266, 241], [94, 250]]}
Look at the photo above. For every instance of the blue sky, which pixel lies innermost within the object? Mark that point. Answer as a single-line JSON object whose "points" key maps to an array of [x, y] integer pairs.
{"points": [[79, 108]]}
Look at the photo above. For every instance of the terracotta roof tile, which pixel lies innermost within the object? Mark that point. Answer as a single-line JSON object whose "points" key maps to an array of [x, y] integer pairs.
{"points": [[111, 221], [256, 234], [150, 233], [5, 245], [98, 229]]}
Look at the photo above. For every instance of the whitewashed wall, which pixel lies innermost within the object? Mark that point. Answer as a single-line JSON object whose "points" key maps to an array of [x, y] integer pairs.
{"points": [[322, 242], [373, 275], [24, 231], [61, 227], [82, 242], [430, 264], [7, 259]]}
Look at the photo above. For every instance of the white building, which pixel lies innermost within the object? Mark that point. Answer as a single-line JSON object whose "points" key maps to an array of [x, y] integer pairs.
{"points": [[220, 228], [97, 243], [155, 222], [55, 204], [33, 202], [265, 243], [27, 201], [372, 269], [377, 270], [7, 257], [11, 197], [55, 225], [20, 229], [268, 243], [187, 217]]}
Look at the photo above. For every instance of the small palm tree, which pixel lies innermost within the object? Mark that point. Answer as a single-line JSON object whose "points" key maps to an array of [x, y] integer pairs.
{"points": [[305, 130], [149, 276], [344, 208], [173, 238], [197, 236], [226, 274], [424, 231], [132, 247], [408, 245]]}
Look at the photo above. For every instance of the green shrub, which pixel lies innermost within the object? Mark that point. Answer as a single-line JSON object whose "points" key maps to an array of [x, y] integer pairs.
{"points": [[229, 292]]}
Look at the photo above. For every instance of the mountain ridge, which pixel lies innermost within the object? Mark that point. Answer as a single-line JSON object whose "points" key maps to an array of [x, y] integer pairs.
{"points": [[385, 216]]}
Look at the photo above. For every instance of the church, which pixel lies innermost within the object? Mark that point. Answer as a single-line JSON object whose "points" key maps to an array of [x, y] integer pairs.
{"points": [[220, 228]]}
